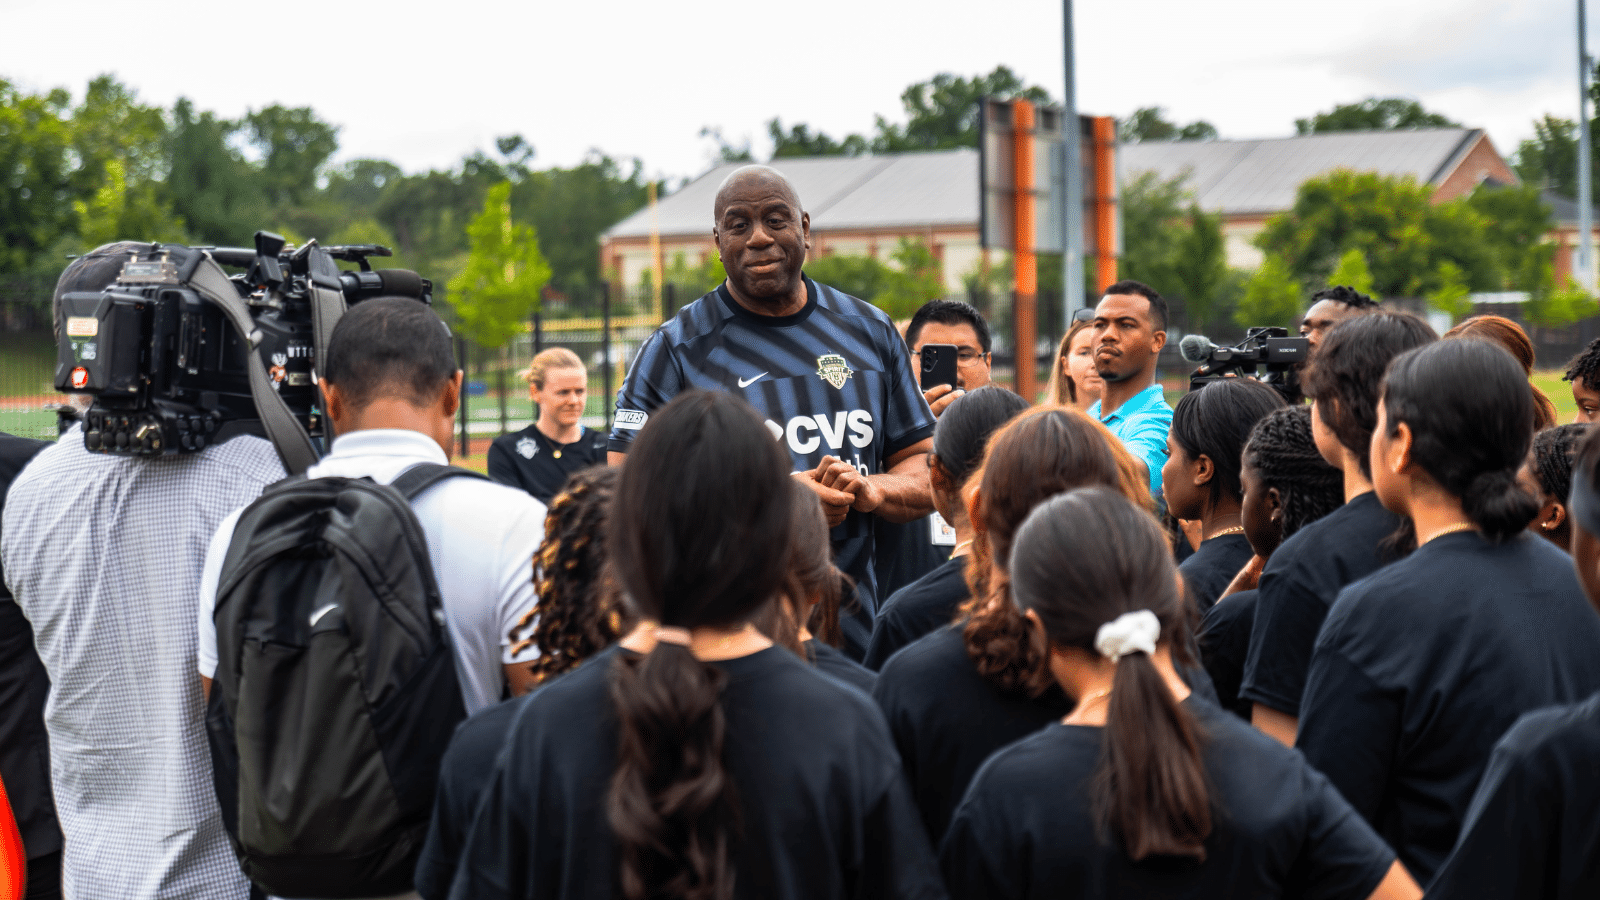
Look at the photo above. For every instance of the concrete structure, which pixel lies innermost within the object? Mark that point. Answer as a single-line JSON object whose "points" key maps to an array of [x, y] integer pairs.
{"points": [[1249, 182], [859, 205], [864, 205]]}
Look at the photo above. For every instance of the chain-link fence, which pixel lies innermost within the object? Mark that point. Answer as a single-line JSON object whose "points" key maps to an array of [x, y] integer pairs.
{"points": [[27, 359], [604, 327]]}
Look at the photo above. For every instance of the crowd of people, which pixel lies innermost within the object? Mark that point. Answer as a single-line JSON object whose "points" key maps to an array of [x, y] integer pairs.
{"points": [[797, 627]]}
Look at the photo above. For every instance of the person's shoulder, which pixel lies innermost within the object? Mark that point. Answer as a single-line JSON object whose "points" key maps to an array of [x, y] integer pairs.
{"points": [[694, 320], [837, 303], [1558, 730], [508, 441], [493, 500], [943, 651], [478, 739]]}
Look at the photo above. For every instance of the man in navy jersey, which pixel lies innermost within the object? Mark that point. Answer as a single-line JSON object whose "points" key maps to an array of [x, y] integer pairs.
{"points": [[829, 371]]}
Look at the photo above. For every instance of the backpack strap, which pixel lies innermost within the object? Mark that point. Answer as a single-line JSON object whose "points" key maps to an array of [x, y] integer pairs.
{"points": [[422, 476]]}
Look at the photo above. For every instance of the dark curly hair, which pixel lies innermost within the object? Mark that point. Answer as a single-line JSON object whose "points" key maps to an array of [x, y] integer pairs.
{"points": [[1343, 293], [1283, 452], [578, 613], [1585, 366]]}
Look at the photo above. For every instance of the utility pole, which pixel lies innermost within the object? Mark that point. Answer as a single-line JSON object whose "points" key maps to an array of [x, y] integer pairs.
{"points": [[1586, 273], [1072, 167]]}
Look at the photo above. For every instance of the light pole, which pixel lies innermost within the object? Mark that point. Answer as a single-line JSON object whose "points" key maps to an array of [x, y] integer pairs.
{"points": [[1586, 273]]}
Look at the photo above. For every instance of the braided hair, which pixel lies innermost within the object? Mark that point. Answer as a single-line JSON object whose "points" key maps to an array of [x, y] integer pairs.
{"points": [[578, 612], [1283, 452], [1585, 366], [1553, 449]]}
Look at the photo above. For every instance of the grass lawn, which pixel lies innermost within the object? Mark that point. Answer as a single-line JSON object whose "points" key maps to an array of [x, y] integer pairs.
{"points": [[1558, 391]]}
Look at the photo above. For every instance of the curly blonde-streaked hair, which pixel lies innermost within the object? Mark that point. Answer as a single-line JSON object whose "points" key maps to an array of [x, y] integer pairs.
{"points": [[579, 612]]}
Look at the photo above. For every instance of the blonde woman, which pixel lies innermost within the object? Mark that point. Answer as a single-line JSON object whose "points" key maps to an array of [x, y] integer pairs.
{"points": [[1073, 380], [539, 458]]}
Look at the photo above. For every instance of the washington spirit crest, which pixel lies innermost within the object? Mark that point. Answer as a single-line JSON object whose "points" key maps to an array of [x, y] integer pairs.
{"points": [[832, 368]]}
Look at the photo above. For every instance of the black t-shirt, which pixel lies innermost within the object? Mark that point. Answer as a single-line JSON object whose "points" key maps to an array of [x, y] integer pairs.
{"points": [[1279, 828], [1209, 570], [24, 687], [463, 774], [1422, 666], [1533, 830], [904, 552], [1298, 585], [921, 607], [947, 719], [1224, 641], [831, 662], [528, 460], [824, 806]]}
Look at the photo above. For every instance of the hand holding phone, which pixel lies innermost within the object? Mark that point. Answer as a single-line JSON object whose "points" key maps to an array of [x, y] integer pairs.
{"points": [[938, 365]]}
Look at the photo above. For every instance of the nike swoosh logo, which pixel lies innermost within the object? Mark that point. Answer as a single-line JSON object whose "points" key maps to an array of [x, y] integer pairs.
{"points": [[317, 616], [746, 382]]}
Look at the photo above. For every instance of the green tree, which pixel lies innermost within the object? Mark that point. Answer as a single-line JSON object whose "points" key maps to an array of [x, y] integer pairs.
{"points": [[1558, 308], [1393, 222], [1549, 159], [572, 207], [942, 112], [859, 276], [694, 281], [211, 186], [1374, 114], [799, 140], [912, 282], [1352, 272], [293, 144], [1516, 222], [1149, 123], [499, 288], [37, 194], [1271, 296], [1451, 294], [117, 212], [1171, 244]]}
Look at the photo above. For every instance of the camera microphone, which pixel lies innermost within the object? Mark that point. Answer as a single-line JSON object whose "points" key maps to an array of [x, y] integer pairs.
{"points": [[386, 283], [1196, 348]]}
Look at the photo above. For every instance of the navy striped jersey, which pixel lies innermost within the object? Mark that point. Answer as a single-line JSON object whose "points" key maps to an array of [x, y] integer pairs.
{"points": [[833, 379]]}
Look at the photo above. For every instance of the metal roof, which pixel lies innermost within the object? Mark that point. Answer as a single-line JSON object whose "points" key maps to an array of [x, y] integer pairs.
{"points": [[898, 190], [1242, 177]]}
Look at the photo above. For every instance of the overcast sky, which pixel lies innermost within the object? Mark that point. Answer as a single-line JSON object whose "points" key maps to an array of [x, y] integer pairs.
{"points": [[640, 78]]}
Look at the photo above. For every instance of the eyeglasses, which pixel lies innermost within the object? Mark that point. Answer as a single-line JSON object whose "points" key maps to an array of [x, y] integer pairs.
{"points": [[965, 356], [1084, 315]]}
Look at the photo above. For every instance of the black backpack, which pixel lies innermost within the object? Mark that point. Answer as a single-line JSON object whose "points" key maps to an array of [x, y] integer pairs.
{"points": [[336, 691]]}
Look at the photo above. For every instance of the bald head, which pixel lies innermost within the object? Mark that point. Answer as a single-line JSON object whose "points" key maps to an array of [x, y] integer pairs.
{"points": [[760, 177], [762, 236]]}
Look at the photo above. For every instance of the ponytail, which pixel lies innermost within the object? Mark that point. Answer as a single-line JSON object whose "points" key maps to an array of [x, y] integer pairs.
{"points": [[1150, 787], [1470, 414], [1122, 602], [1498, 504], [671, 805]]}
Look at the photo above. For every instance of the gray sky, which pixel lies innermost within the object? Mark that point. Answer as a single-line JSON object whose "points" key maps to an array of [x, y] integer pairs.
{"points": [[424, 84]]}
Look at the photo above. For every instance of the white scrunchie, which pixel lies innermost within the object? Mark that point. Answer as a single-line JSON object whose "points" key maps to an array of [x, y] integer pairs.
{"points": [[1128, 633]]}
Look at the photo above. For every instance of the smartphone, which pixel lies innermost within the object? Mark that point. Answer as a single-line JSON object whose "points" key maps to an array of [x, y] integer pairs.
{"points": [[938, 365]]}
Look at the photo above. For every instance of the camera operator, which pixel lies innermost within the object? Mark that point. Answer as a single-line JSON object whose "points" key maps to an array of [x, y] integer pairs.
{"points": [[1329, 307], [103, 553]]}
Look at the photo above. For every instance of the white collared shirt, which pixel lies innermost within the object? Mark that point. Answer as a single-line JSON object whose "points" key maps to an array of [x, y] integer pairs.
{"points": [[481, 539]]}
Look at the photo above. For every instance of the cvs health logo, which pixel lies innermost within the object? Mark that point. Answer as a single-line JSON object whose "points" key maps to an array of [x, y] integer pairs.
{"points": [[807, 434]]}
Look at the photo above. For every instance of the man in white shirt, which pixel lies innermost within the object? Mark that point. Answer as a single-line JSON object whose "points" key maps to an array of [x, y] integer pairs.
{"points": [[103, 555], [391, 388]]}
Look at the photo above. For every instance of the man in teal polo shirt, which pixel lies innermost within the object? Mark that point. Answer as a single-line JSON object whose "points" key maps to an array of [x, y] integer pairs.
{"points": [[1130, 328]]}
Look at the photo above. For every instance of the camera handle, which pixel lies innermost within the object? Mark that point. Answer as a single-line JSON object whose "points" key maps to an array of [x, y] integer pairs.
{"points": [[294, 446]]}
